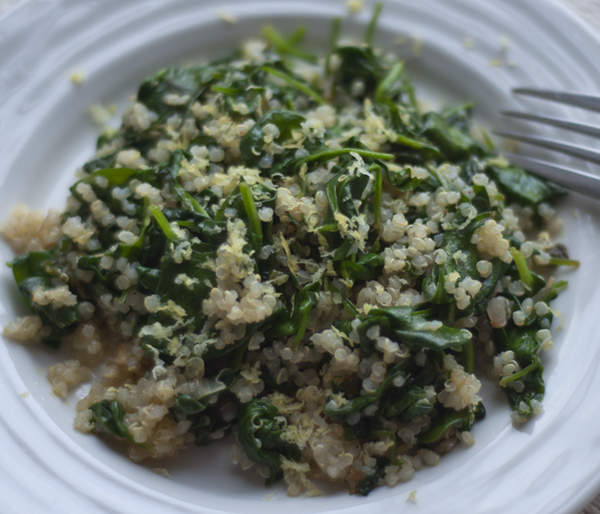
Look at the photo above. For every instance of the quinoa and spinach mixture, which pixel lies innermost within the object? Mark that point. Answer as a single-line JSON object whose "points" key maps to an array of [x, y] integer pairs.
{"points": [[290, 250]]}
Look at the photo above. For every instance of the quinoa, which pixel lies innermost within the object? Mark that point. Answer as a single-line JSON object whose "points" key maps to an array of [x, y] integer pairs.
{"points": [[297, 255], [31, 231]]}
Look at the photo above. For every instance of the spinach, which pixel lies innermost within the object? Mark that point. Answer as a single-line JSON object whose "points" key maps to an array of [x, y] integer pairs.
{"points": [[284, 323], [366, 267], [499, 269], [179, 81], [284, 46], [358, 63], [443, 338], [519, 185], [341, 414], [182, 295], [402, 179], [186, 406], [453, 142], [260, 436], [400, 324], [458, 419], [524, 343], [252, 143], [115, 176], [366, 485], [109, 416], [413, 402], [37, 272]]}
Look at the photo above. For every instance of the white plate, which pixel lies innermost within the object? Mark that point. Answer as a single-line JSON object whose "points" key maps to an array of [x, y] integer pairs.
{"points": [[549, 465]]}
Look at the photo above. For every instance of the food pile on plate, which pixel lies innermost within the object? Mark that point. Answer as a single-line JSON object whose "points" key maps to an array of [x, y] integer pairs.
{"points": [[288, 249]]}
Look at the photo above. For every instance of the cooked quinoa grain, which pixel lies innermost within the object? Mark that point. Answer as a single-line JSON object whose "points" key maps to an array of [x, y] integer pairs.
{"points": [[31, 231], [296, 255]]}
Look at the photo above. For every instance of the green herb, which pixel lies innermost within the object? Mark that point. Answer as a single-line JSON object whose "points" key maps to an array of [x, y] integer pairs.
{"points": [[108, 416], [373, 24], [288, 46], [259, 435], [304, 88]]}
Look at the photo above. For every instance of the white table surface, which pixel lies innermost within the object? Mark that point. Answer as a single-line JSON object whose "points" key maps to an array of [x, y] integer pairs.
{"points": [[589, 10]]}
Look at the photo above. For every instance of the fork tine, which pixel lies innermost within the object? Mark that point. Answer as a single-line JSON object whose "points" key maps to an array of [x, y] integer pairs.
{"points": [[589, 102], [581, 128], [581, 152], [576, 180]]}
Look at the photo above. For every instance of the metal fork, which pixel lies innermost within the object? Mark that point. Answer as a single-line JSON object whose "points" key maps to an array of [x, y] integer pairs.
{"points": [[576, 180]]}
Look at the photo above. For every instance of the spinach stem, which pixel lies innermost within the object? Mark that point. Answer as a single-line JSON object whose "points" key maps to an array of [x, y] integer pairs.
{"points": [[225, 90], [519, 374], [522, 268], [332, 154], [190, 201], [329, 227], [286, 46], [335, 34], [393, 75], [423, 313], [413, 98], [450, 317], [252, 213], [411, 143], [163, 223], [297, 35], [295, 83], [220, 214], [377, 196], [564, 262], [376, 246], [302, 327], [346, 302], [487, 140], [554, 290], [441, 179], [373, 23], [469, 360]]}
